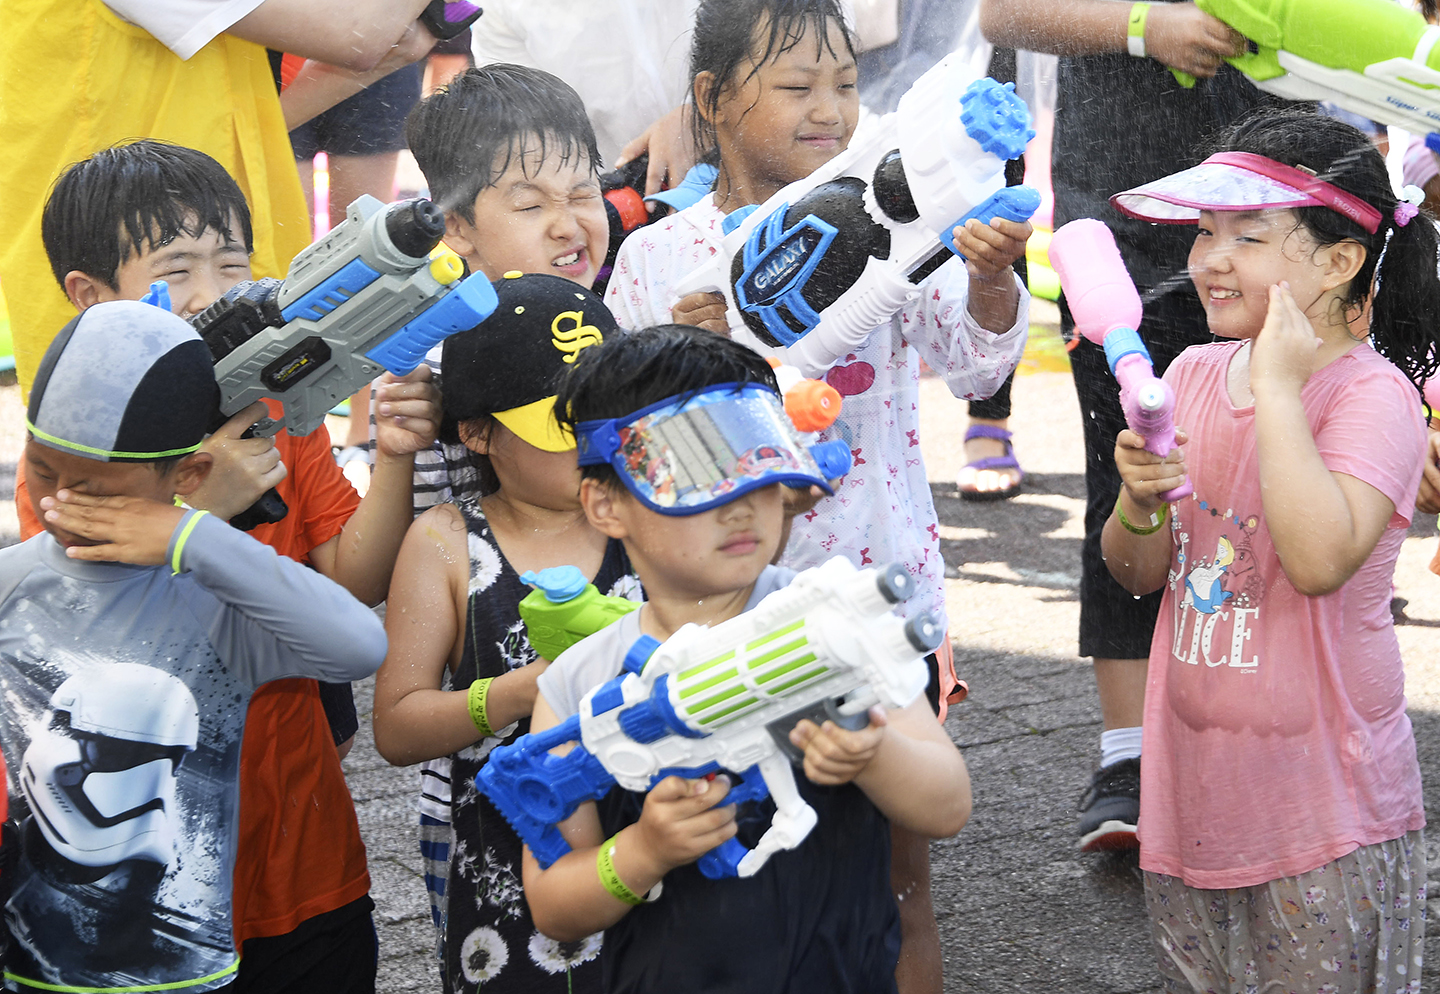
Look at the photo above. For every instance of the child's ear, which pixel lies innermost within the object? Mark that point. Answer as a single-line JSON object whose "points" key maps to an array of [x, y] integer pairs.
{"points": [[701, 91], [191, 471], [85, 290], [602, 508], [459, 235], [1345, 260]]}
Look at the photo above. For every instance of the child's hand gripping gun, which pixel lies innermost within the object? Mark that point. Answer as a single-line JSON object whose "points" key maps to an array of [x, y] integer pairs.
{"points": [[828, 258], [1107, 311], [725, 698], [370, 295], [1375, 58]]}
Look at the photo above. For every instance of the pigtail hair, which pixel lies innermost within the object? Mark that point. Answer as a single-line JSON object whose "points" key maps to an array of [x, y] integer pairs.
{"points": [[1405, 314]]}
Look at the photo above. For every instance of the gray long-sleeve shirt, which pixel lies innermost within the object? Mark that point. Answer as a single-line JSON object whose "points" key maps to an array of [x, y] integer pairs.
{"points": [[123, 692]]}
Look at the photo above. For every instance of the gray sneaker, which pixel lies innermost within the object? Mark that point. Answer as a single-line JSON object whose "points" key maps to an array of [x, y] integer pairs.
{"points": [[1110, 809]]}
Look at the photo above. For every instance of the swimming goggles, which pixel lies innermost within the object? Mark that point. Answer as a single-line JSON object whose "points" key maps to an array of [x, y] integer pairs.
{"points": [[687, 454]]}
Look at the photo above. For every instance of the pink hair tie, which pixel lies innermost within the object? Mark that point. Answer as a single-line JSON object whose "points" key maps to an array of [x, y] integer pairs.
{"points": [[1410, 200]]}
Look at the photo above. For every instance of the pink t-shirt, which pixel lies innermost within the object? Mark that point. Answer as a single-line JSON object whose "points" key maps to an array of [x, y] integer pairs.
{"points": [[1276, 737], [882, 512]]}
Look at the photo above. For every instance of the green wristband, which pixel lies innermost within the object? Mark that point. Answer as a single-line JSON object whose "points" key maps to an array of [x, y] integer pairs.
{"points": [[479, 693], [609, 879], [1135, 31], [1157, 518]]}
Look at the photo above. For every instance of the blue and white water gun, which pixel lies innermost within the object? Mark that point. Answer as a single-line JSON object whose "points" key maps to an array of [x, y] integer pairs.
{"points": [[828, 258], [725, 698], [375, 293]]}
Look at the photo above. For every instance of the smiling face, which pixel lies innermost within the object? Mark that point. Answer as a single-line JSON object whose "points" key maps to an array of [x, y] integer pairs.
{"points": [[545, 218], [1239, 255], [790, 116], [199, 268]]}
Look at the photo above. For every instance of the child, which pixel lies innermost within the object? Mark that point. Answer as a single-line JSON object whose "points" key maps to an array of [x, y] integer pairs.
{"points": [[820, 917], [1281, 810], [454, 616], [149, 210], [510, 155], [129, 632], [774, 92]]}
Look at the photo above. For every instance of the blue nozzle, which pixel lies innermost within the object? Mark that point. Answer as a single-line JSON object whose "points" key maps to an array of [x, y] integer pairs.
{"points": [[159, 296], [833, 458], [558, 583], [996, 118]]}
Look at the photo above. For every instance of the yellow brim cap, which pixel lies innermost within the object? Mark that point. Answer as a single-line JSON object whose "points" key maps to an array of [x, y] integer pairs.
{"points": [[535, 423]]}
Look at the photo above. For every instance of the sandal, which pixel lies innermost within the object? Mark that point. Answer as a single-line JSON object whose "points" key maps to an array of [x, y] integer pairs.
{"points": [[993, 464]]}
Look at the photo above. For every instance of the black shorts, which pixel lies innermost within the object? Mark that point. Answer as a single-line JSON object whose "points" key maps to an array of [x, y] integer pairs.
{"points": [[369, 123], [1114, 623], [333, 953]]}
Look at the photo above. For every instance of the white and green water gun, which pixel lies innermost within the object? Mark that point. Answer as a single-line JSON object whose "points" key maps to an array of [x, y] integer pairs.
{"points": [[1374, 58]]}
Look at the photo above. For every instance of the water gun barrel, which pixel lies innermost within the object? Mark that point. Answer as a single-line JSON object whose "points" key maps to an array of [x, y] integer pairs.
{"points": [[1097, 286], [1107, 311]]}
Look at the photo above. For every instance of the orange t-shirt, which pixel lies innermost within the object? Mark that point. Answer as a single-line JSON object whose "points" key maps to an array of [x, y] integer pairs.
{"points": [[300, 851]]}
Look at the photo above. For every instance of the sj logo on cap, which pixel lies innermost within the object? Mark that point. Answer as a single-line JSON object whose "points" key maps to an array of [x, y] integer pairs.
{"points": [[574, 337]]}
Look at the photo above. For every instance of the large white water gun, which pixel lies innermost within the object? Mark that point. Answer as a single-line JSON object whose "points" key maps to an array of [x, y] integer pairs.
{"points": [[1375, 58], [819, 265], [1107, 310], [725, 698]]}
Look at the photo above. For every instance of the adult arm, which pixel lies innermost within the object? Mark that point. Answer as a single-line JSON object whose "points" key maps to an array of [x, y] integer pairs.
{"points": [[319, 85], [354, 34], [1178, 35], [414, 719]]}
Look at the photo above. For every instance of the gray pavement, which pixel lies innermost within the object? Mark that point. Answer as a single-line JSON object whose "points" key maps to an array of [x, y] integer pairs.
{"points": [[1020, 909]]}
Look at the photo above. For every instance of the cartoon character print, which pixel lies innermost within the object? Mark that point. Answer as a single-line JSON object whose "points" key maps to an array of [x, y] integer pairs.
{"points": [[1227, 578], [1217, 595], [1203, 590]]}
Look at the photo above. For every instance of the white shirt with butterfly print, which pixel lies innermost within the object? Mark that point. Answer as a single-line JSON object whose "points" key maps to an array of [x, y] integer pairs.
{"points": [[882, 512]]}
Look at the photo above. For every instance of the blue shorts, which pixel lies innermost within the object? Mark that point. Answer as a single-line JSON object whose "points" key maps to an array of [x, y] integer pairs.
{"points": [[369, 123]]}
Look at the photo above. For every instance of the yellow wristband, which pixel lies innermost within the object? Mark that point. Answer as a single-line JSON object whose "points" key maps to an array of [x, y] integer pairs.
{"points": [[609, 879], [479, 692], [1135, 32], [1157, 518]]}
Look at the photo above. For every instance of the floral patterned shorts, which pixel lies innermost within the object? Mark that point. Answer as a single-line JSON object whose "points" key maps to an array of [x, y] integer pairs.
{"points": [[1354, 926]]}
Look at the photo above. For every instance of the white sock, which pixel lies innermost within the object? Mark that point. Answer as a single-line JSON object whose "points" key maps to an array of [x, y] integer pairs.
{"points": [[1119, 743]]}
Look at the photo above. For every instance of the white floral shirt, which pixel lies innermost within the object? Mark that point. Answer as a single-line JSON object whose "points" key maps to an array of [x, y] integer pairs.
{"points": [[883, 511]]}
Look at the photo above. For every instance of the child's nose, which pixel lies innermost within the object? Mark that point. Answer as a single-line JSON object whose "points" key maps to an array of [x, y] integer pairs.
{"points": [[202, 290]]}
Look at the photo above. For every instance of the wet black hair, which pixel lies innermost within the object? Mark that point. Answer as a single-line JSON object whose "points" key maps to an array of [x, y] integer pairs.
{"points": [[731, 33], [127, 197], [474, 471], [1400, 260], [632, 371], [466, 134]]}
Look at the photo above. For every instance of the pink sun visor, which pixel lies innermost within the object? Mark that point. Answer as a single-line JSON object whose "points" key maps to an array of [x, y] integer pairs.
{"points": [[1238, 181]]}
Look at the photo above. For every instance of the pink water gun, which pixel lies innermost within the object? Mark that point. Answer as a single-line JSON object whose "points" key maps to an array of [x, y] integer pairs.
{"points": [[1106, 308]]}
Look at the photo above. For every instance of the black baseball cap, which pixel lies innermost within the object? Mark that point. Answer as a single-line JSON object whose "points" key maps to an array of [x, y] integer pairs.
{"points": [[510, 365], [124, 382]]}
